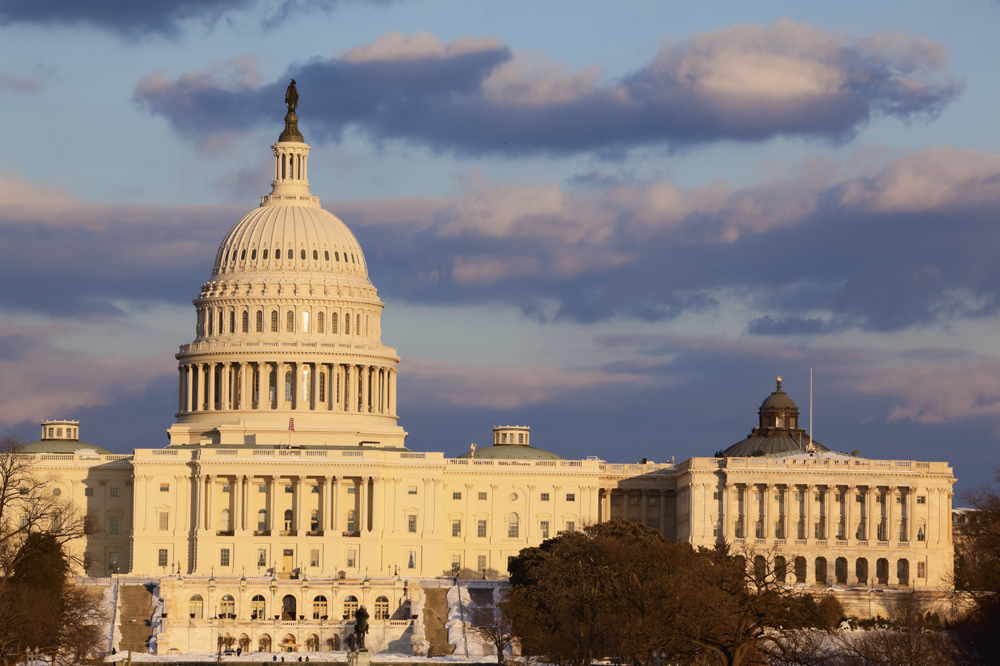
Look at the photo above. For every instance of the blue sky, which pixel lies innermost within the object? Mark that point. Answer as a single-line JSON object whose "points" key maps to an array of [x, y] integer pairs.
{"points": [[616, 223]]}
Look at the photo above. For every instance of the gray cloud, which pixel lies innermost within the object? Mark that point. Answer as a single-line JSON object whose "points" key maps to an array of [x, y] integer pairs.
{"points": [[144, 17], [476, 96]]}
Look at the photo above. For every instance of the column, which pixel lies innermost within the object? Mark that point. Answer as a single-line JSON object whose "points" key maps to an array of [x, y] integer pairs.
{"points": [[908, 513], [363, 513], [238, 504], [645, 502], [210, 522], [766, 520], [392, 392], [300, 524], [810, 500], [189, 399], [663, 511], [180, 388], [890, 503], [378, 504], [272, 518], [248, 517], [334, 504], [728, 524], [869, 514], [366, 389], [325, 504], [849, 517], [280, 386], [211, 387], [200, 391], [828, 509]]}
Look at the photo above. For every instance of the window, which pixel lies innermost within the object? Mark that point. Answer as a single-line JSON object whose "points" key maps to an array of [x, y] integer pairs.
{"points": [[116, 492], [87, 560], [262, 520], [411, 490], [224, 557], [319, 608], [260, 321], [411, 524], [382, 608], [616, 500], [305, 322], [333, 322], [456, 496], [196, 607], [351, 523], [314, 521], [164, 517], [545, 497], [633, 501], [262, 557], [513, 526], [652, 501], [113, 560], [224, 523], [227, 607], [347, 324], [326, 255], [456, 564], [274, 321], [482, 496], [257, 607], [288, 520], [232, 321], [314, 557], [261, 487], [411, 559], [570, 497], [920, 535], [921, 499], [818, 530], [264, 255], [717, 529], [114, 524], [481, 563], [860, 499], [921, 570], [289, 322], [226, 488], [161, 557], [288, 489], [481, 529], [164, 487], [543, 527], [88, 492], [759, 529], [758, 496], [315, 255], [291, 254], [570, 526], [799, 497], [321, 323], [352, 558], [357, 325], [456, 528], [715, 495], [350, 607]]}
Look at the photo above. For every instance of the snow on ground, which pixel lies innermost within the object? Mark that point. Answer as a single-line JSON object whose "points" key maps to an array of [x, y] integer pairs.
{"points": [[293, 657]]}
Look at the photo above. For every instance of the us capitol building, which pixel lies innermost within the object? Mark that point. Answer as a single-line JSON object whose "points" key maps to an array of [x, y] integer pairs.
{"points": [[276, 536]]}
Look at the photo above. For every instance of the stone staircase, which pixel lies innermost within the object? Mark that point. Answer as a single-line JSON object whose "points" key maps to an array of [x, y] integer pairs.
{"points": [[435, 617], [136, 613]]}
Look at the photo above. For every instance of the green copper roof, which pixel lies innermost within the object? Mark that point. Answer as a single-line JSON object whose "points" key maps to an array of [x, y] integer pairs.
{"points": [[61, 446], [512, 452]]}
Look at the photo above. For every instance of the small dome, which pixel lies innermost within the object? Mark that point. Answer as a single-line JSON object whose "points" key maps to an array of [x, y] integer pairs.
{"points": [[291, 239], [512, 452], [61, 446], [779, 401]]}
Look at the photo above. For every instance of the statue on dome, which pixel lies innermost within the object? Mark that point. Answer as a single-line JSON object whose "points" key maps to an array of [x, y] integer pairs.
{"points": [[291, 97]]}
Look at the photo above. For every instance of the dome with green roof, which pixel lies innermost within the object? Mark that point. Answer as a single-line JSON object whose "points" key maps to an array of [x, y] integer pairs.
{"points": [[511, 443], [61, 437]]}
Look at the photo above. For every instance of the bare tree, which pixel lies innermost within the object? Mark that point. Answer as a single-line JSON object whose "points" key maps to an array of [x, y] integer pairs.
{"points": [[492, 624]]}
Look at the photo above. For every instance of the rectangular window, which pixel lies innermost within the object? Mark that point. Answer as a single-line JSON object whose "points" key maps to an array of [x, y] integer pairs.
{"points": [[314, 557], [116, 492], [880, 499], [570, 497], [759, 529], [261, 487], [288, 489], [633, 501], [545, 498], [651, 501], [164, 487], [262, 557], [88, 492], [481, 563], [717, 529], [352, 558], [481, 529], [570, 526], [456, 528], [840, 497], [758, 496], [899, 499], [456, 564], [226, 488], [352, 490], [113, 560], [921, 499], [799, 497], [411, 524], [921, 570], [544, 528], [224, 557], [164, 521], [114, 524], [816, 497], [411, 559], [715, 495], [482, 496], [411, 490], [616, 500], [818, 530], [456, 496], [161, 557], [860, 499]]}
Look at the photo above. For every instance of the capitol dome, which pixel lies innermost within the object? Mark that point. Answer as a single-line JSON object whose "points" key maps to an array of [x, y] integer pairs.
{"points": [[777, 433], [287, 347]]}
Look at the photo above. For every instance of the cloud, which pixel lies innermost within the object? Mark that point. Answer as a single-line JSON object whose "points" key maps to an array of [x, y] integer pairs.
{"points": [[19, 84], [160, 17], [475, 96], [434, 383], [42, 380]]}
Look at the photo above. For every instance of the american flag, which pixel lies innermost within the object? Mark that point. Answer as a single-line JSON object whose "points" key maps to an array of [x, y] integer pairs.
{"points": [[291, 424]]}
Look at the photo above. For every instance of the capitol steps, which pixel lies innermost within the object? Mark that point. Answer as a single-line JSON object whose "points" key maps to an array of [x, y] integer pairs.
{"points": [[136, 613], [435, 617]]}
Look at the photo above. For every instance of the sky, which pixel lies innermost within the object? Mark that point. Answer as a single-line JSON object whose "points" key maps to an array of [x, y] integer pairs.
{"points": [[616, 223]]}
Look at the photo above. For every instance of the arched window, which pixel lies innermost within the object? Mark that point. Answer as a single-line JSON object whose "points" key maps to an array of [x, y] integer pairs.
{"points": [[274, 321], [320, 323], [210, 322], [326, 255], [264, 256], [289, 322], [840, 571], [288, 519], [821, 570], [260, 321], [861, 571], [291, 253], [357, 326], [196, 607], [513, 526], [759, 569], [351, 523], [262, 520], [882, 571], [227, 607], [232, 321], [780, 569], [246, 321], [263, 641], [243, 254], [333, 322], [322, 387], [224, 523], [257, 607], [253, 255], [800, 570], [319, 608], [350, 607], [314, 521], [903, 572], [288, 606], [382, 608], [347, 324], [288, 386], [336, 255]]}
